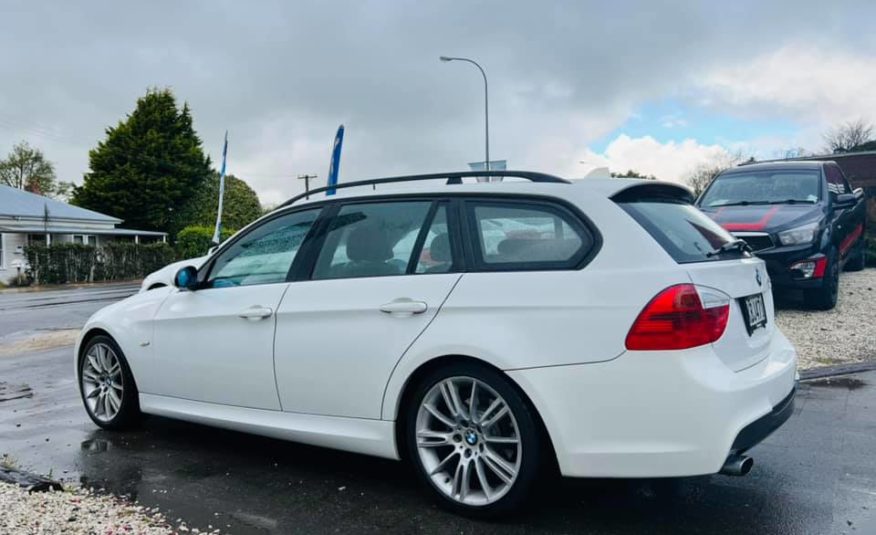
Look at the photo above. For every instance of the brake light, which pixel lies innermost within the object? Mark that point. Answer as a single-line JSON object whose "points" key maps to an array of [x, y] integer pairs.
{"points": [[680, 317]]}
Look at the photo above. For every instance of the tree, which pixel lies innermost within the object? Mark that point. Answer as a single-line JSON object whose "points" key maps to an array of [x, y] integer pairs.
{"points": [[239, 208], [847, 136], [148, 167], [703, 174], [27, 168], [633, 174]]}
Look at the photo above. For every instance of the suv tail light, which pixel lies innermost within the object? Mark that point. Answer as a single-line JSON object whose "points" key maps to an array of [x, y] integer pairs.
{"points": [[680, 317]]}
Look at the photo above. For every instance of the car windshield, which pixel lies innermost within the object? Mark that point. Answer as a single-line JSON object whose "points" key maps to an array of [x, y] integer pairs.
{"points": [[763, 187]]}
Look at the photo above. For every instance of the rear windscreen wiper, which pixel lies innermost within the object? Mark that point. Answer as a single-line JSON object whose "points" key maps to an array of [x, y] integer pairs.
{"points": [[735, 245]]}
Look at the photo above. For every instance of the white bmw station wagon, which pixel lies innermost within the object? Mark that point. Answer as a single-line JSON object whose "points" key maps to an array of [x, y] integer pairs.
{"points": [[480, 331]]}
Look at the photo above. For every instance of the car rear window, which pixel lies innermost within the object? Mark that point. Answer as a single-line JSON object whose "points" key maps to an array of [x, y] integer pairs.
{"points": [[681, 229]]}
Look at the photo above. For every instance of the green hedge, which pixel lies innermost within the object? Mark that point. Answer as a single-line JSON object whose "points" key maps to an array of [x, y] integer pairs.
{"points": [[72, 262], [195, 241]]}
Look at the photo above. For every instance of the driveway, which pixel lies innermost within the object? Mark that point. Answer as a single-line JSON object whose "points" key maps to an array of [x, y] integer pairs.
{"points": [[816, 475]]}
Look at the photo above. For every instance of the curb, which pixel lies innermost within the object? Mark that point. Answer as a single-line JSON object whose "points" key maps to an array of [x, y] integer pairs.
{"points": [[28, 481], [839, 369]]}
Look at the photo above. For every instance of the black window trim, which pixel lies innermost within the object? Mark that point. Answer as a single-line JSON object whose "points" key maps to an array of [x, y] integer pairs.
{"points": [[571, 215]]}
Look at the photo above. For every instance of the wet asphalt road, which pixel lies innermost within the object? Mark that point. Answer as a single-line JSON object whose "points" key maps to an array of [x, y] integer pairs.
{"points": [[816, 475]]}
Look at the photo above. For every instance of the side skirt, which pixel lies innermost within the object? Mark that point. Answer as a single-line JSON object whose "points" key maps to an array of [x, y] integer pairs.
{"points": [[357, 435]]}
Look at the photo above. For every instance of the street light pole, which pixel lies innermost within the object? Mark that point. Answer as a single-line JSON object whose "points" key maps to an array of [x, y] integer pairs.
{"points": [[486, 105]]}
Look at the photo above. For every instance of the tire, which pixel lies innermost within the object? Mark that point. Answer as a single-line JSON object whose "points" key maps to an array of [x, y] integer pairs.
{"points": [[825, 298], [463, 452], [106, 385], [859, 260]]}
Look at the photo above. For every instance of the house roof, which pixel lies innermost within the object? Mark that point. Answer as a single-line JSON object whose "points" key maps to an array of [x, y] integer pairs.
{"points": [[18, 203], [40, 229]]}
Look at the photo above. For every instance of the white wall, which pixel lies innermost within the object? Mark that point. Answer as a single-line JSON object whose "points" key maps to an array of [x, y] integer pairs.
{"points": [[10, 244]]}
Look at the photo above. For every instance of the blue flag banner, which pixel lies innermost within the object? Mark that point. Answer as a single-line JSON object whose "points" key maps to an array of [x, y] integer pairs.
{"points": [[335, 165], [217, 233]]}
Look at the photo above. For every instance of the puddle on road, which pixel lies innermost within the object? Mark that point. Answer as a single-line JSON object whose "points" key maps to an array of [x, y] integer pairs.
{"points": [[9, 392], [850, 383]]}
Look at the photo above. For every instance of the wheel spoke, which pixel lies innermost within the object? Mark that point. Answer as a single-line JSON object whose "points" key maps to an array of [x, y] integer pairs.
{"points": [[94, 362], [486, 423], [432, 439], [499, 466], [451, 398], [438, 416], [115, 370], [472, 400], [115, 400], [106, 406], [93, 393], [89, 375], [482, 478], [502, 440], [460, 480], [440, 466]]}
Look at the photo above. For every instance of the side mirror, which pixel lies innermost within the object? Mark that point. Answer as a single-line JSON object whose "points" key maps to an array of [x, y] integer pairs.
{"points": [[186, 279], [845, 200]]}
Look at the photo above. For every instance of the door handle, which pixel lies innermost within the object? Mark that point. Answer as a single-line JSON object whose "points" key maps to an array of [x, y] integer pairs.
{"points": [[256, 312], [404, 307]]}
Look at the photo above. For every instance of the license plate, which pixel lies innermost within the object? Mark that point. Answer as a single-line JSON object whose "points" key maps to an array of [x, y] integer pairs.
{"points": [[754, 312]]}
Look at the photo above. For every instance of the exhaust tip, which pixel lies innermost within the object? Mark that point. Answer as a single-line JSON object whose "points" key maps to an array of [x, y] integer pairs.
{"points": [[737, 465]]}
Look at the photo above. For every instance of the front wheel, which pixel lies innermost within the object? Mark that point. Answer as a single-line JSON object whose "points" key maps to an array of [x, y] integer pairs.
{"points": [[473, 440], [825, 297], [107, 385]]}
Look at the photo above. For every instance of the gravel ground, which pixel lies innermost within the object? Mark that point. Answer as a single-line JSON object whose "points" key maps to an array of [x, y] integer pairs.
{"points": [[79, 511], [843, 335]]}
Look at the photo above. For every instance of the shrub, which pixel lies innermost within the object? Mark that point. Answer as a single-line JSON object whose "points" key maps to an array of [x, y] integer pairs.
{"points": [[72, 262], [195, 241]]}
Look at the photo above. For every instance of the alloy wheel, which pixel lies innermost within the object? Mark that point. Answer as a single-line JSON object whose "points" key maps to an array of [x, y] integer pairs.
{"points": [[468, 441], [102, 384]]}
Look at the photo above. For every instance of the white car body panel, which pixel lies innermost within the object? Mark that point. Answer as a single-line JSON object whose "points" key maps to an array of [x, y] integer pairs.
{"points": [[329, 368], [336, 348], [205, 351]]}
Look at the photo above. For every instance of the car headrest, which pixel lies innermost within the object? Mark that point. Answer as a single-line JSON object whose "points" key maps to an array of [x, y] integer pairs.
{"points": [[439, 249], [368, 243]]}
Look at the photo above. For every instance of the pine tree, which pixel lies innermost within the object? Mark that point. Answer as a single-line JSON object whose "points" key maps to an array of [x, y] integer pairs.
{"points": [[148, 166]]}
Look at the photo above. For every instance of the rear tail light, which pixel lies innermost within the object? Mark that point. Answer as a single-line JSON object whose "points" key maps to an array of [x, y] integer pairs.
{"points": [[680, 317], [810, 269]]}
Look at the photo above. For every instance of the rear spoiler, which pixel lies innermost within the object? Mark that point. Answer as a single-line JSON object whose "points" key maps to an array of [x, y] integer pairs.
{"points": [[660, 191]]}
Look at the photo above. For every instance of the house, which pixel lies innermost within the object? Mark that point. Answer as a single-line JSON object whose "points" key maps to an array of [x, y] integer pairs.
{"points": [[27, 218]]}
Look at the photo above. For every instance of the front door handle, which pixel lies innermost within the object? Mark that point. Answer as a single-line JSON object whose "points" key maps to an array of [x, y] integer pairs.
{"points": [[256, 312], [404, 307]]}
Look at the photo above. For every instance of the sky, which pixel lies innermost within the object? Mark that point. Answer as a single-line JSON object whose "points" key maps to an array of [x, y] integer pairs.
{"points": [[658, 87]]}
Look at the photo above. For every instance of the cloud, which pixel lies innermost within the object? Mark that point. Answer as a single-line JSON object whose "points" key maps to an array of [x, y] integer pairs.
{"points": [[667, 161], [801, 81]]}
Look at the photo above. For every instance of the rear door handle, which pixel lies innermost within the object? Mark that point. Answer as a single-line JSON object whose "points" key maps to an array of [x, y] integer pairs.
{"points": [[256, 312], [404, 307]]}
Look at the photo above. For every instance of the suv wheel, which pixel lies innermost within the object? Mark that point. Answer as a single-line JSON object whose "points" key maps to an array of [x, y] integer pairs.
{"points": [[825, 298], [107, 386], [473, 440]]}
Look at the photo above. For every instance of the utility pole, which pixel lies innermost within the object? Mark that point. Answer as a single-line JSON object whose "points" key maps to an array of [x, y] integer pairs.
{"points": [[306, 179]]}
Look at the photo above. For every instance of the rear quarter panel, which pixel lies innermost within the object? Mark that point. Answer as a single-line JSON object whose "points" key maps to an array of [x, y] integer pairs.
{"points": [[529, 319]]}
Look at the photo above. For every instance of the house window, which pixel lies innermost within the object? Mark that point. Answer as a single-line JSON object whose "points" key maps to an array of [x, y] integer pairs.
{"points": [[86, 239], [2, 251]]}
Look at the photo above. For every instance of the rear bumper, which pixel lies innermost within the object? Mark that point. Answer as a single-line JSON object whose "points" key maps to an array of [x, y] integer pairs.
{"points": [[753, 433], [660, 414]]}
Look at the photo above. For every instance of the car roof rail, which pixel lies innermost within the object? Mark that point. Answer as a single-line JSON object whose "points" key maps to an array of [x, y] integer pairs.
{"points": [[453, 178]]}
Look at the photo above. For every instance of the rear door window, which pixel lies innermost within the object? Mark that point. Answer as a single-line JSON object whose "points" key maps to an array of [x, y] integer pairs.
{"points": [[682, 230], [526, 236]]}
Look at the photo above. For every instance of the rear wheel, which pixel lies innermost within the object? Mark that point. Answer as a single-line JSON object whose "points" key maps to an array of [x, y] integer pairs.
{"points": [[107, 386], [825, 298], [473, 440]]}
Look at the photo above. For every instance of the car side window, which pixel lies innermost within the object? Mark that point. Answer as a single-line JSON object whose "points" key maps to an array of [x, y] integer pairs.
{"points": [[436, 255], [265, 254], [527, 236], [836, 182], [371, 239]]}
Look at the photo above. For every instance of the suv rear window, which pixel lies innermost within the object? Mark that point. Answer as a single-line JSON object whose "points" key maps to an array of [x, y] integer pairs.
{"points": [[682, 230]]}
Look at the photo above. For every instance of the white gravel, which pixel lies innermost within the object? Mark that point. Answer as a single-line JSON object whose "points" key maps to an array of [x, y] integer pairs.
{"points": [[78, 511], [843, 335]]}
